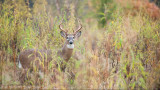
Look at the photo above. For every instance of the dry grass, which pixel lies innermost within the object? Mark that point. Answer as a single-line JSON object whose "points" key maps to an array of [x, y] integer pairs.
{"points": [[123, 55]]}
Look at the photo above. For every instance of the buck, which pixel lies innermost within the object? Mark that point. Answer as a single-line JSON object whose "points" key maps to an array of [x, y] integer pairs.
{"points": [[34, 57]]}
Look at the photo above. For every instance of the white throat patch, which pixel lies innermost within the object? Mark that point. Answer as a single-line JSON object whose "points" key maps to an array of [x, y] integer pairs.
{"points": [[70, 46], [19, 64]]}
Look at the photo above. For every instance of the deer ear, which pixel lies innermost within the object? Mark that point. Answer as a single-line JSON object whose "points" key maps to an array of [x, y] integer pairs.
{"points": [[63, 34], [78, 34]]}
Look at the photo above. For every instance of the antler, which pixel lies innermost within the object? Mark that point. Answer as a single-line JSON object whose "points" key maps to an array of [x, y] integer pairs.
{"points": [[61, 27], [79, 28]]}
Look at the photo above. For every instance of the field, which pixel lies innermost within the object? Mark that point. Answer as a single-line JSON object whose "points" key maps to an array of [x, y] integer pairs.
{"points": [[119, 47]]}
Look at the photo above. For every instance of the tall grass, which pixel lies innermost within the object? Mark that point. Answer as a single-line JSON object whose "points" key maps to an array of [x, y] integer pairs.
{"points": [[122, 55]]}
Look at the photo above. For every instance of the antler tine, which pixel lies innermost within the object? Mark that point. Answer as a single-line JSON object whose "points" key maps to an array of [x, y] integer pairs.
{"points": [[61, 27], [80, 26]]}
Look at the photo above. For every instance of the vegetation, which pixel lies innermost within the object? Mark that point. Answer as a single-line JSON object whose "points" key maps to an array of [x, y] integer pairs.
{"points": [[119, 47]]}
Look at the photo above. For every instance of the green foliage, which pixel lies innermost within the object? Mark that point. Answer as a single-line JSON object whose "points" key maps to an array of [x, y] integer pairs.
{"points": [[122, 54], [104, 11]]}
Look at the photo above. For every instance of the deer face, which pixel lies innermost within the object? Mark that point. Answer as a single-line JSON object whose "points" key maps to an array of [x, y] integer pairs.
{"points": [[70, 38]]}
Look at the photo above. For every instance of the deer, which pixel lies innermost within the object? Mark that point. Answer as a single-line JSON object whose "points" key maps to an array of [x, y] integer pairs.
{"points": [[30, 57]]}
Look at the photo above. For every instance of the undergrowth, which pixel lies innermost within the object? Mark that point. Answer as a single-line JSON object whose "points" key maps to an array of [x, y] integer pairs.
{"points": [[123, 54]]}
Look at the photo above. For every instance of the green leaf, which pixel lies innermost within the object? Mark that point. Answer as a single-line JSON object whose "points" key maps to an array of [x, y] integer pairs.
{"points": [[103, 18], [142, 83], [133, 85], [101, 14]]}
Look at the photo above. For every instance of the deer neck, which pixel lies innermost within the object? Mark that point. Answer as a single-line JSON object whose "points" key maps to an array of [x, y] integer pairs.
{"points": [[66, 51]]}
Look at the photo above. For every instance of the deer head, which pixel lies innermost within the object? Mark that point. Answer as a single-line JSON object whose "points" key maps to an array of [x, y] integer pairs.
{"points": [[70, 37]]}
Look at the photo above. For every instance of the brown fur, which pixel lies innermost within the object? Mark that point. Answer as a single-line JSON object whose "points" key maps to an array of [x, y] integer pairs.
{"points": [[65, 53], [26, 57], [32, 57]]}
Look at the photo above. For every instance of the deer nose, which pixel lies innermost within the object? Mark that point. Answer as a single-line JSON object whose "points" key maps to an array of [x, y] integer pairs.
{"points": [[70, 42]]}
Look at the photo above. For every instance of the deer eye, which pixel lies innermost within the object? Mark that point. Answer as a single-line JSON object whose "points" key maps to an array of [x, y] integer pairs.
{"points": [[67, 38]]}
